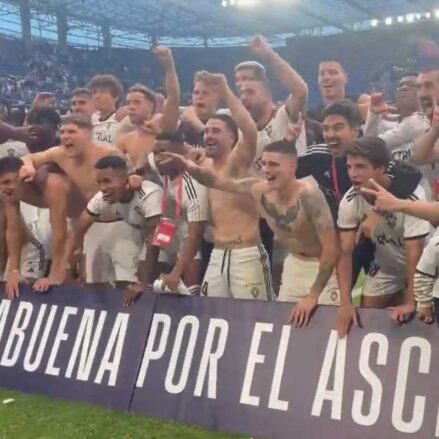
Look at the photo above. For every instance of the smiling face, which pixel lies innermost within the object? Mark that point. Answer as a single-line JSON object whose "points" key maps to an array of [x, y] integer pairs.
{"points": [[218, 138], [112, 183], [9, 184], [407, 94], [41, 134], [338, 134], [279, 169], [332, 81]]}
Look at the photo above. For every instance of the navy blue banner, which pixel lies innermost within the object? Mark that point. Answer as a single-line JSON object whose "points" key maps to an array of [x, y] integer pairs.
{"points": [[239, 366], [74, 343]]}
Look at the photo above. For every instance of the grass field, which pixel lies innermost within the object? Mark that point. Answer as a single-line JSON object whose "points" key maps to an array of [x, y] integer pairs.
{"points": [[35, 417]]}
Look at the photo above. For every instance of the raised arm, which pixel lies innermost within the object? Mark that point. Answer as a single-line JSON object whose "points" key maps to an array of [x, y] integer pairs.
{"points": [[205, 176], [169, 120], [385, 201], [290, 79], [245, 149], [318, 211]]}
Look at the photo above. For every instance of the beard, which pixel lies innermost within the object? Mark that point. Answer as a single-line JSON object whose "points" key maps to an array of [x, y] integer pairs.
{"points": [[256, 112], [426, 102]]}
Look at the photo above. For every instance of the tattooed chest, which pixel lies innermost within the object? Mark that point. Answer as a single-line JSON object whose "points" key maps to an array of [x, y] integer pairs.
{"points": [[284, 220]]}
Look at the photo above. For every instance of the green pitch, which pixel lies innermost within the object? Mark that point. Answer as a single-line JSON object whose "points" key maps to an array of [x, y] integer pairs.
{"points": [[35, 417]]}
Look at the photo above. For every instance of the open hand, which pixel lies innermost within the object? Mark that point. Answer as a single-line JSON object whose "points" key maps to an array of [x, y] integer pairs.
{"points": [[303, 311], [384, 200]]}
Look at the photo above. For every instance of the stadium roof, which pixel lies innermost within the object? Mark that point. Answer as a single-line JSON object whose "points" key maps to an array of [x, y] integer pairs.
{"points": [[214, 22]]}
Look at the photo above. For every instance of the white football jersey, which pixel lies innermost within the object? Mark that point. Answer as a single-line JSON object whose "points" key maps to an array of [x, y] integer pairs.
{"points": [[105, 132], [12, 148], [146, 203], [390, 233]]}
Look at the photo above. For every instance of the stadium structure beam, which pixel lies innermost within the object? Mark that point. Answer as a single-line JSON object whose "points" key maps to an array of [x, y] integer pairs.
{"points": [[428, 5], [62, 26], [321, 18], [106, 35], [25, 17], [359, 7]]}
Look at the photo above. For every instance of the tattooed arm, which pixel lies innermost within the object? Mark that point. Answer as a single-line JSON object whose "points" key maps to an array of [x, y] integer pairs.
{"points": [[316, 207], [205, 176]]}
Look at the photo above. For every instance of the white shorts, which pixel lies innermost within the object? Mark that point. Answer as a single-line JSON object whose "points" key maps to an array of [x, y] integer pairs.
{"points": [[239, 274], [379, 283], [112, 252], [35, 254], [299, 275]]}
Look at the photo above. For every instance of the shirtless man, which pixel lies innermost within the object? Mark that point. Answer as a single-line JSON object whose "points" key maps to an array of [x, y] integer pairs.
{"points": [[239, 265], [76, 156], [205, 103], [332, 79], [141, 107], [297, 212]]}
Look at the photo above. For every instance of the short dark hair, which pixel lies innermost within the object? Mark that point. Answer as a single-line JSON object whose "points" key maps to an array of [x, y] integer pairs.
{"points": [[81, 91], [230, 123], [108, 82], [373, 149], [170, 136], [10, 164], [282, 147], [346, 109], [80, 120], [147, 92], [258, 69], [337, 61], [39, 115], [113, 162]]}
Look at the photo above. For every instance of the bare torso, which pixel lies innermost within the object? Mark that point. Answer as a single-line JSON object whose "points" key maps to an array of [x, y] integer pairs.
{"points": [[235, 218], [137, 145], [81, 172], [289, 220]]}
